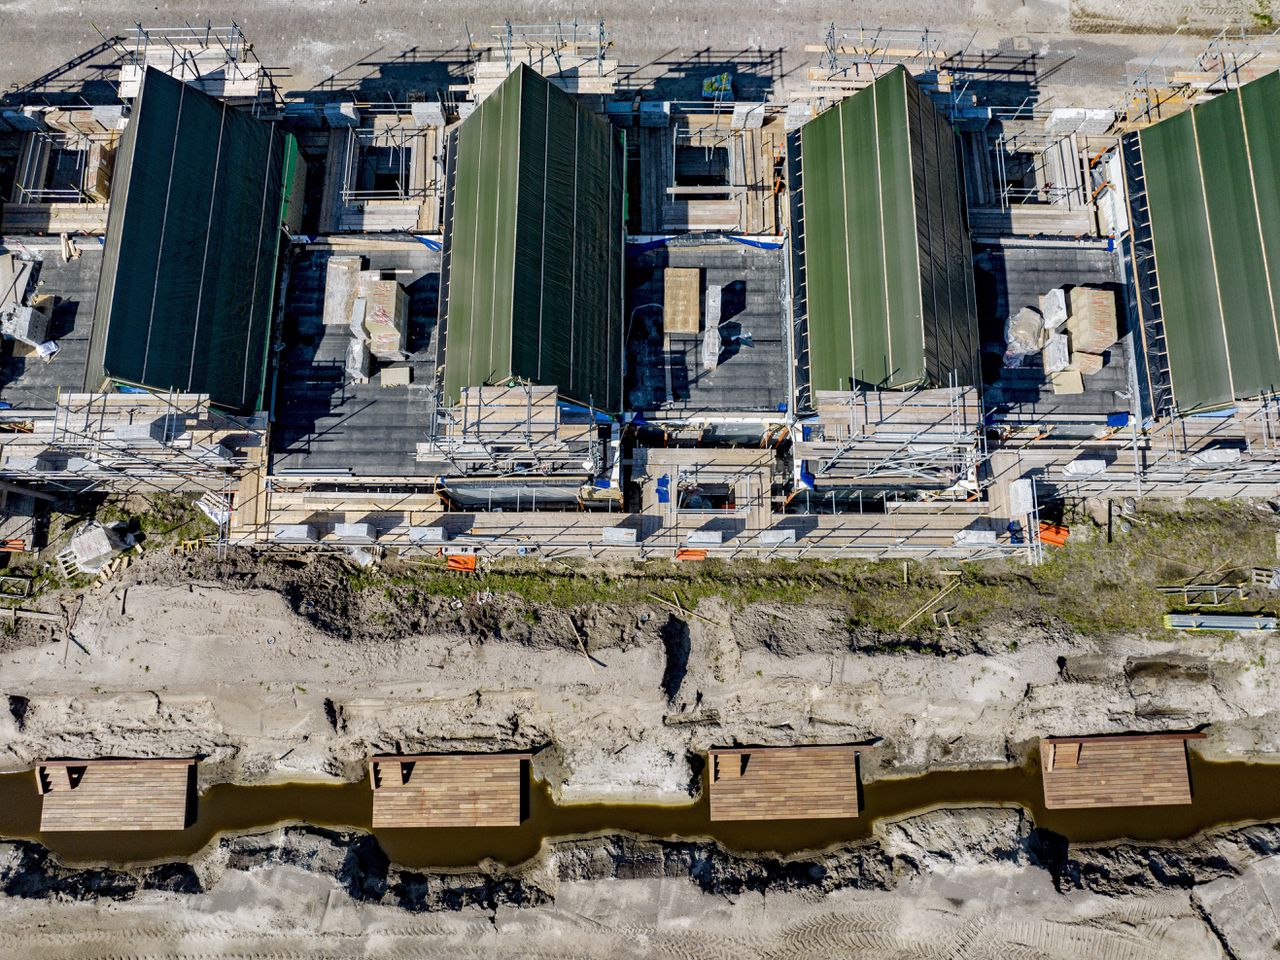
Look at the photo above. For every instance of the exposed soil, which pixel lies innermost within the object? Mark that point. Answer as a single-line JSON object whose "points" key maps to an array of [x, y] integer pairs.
{"points": [[972, 883]]}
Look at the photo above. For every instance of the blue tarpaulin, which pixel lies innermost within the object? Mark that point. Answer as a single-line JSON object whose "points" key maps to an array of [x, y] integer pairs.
{"points": [[757, 242]]}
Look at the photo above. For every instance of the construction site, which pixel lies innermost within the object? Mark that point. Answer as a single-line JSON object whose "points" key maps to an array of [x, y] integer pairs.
{"points": [[652, 391], [899, 311]]}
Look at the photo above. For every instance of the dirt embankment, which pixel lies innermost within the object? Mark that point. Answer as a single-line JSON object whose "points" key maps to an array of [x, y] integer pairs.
{"points": [[980, 882], [286, 666]]}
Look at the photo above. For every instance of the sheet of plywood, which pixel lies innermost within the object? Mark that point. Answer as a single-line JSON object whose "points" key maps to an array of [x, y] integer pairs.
{"points": [[682, 299]]}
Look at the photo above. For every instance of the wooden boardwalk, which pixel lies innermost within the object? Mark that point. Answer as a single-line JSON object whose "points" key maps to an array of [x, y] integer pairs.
{"points": [[1115, 771], [115, 794], [783, 783], [442, 790]]}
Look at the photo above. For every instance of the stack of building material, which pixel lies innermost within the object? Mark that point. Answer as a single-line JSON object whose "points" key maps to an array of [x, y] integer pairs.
{"points": [[93, 546], [1056, 354], [1091, 321], [1023, 336], [386, 316], [100, 164], [1091, 324], [1053, 307], [22, 318]]}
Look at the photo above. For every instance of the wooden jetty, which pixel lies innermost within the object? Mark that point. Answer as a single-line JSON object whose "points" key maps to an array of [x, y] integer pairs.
{"points": [[1129, 770], [448, 790], [116, 794], [783, 783]]}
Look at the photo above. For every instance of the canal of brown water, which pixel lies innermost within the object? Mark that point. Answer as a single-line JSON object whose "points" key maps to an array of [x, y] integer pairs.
{"points": [[1223, 793]]}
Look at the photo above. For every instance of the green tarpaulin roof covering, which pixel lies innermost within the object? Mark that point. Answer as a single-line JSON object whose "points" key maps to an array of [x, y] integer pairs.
{"points": [[1212, 179], [533, 246], [188, 273], [888, 267]]}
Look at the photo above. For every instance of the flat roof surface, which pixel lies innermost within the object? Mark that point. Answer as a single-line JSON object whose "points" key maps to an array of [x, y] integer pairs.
{"points": [[1012, 277], [322, 422], [463, 790], [30, 383], [115, 794], [1212, 177], [665, 371], [1120, 771], [783, 783]]}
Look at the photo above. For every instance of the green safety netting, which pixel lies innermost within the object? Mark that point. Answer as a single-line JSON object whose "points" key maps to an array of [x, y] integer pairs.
{"points": [[533, 246], [887, 258], [1212, 181], [193, 231]]}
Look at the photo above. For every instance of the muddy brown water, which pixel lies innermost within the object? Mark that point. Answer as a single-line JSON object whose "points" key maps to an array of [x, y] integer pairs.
{"points": [[1223, 793]]}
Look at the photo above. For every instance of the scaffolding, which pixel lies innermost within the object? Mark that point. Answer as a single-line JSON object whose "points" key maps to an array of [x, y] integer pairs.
{"points": [[516, 430], [217, 60], [408, 161], [1233, 58], [125, 443], [851, 58], [571, 54], [59, 167], [876, 438], [1228, 61]]}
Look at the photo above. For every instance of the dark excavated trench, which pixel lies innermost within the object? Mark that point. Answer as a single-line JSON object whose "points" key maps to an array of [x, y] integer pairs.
{"points": [[1223, 793]]}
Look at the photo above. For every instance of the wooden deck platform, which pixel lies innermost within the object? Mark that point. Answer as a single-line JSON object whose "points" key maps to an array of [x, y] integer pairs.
{"points": [[1115, 771], [115, 794], [448, 790], [783, 783]]}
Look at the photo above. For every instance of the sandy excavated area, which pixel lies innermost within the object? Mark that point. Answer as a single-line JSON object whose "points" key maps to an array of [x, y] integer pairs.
{"points": [[237, 676], [998, 913]]}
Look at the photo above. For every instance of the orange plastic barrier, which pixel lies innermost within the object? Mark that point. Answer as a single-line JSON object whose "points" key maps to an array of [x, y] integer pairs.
{"points": [[462, 563], [1053, 534], [690, 553]]}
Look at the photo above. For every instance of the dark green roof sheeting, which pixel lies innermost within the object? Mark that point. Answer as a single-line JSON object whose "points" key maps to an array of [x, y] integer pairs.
{"points": [[888, 265], [533, 246], [186, 291], [1212, 179]]}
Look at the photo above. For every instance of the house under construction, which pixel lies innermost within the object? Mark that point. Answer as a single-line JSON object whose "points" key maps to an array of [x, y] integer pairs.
{"points": [[885, 309]]}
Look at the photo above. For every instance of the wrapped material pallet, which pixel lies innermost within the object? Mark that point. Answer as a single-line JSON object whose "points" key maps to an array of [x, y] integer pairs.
{"points": [[358, 363], [342, 277], [1056, 355], [1053, 307], [1092, 319]]}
